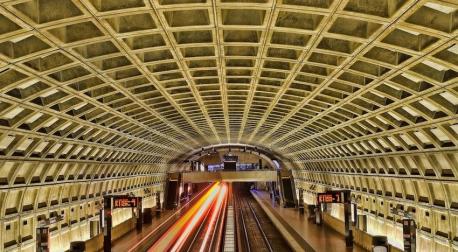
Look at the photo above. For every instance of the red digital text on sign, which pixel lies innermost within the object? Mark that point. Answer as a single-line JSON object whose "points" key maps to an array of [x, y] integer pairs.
{"points": [[125, 202]]}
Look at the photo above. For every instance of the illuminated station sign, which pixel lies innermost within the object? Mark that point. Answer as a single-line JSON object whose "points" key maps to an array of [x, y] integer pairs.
{"points": [[332, 197], [125, 201], [230, 158]]}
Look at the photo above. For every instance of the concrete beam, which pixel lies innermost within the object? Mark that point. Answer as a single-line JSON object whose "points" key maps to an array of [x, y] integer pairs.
{"points": [[230, 176]]}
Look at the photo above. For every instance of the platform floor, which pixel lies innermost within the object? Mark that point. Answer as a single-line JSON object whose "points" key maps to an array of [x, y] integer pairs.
{"points": [[127, 241], [149, 231], [320, 237]]}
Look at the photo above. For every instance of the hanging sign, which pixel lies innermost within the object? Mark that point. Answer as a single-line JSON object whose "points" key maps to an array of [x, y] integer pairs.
{"points": [[125, 201], [331, 197]]}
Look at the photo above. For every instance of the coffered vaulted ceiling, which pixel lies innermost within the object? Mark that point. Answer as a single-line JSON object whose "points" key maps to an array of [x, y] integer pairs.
{"points": [[143, 81]]}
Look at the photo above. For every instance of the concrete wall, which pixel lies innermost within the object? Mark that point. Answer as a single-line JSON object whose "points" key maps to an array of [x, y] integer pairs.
{"points": [[360, 238]]}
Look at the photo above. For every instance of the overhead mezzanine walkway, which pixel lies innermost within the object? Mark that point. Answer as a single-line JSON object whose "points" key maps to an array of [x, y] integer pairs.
{"points": [[230, 176]]}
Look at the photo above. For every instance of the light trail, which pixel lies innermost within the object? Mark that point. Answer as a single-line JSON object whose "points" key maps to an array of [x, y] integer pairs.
{"points": [[138, 244], [215, 213], [174, 238], [196, 219]]}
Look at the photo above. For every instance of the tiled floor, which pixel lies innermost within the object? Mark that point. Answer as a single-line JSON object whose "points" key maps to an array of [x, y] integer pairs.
{"points": [[320, 238]]}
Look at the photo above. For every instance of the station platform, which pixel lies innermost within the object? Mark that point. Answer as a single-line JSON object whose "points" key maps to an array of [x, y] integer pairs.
{"points": [[134, 237], [307, 235], [299, 231], [140, 240]]}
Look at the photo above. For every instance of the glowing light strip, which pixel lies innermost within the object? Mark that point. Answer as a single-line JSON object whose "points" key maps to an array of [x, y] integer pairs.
{"points": [[197, 218], [138, 244], [174, 232], [216, 210]]}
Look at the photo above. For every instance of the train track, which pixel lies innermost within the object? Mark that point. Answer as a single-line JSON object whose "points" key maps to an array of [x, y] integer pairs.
{"points": [[255, 231], [208, 236], [203, 228], [200, 228]]}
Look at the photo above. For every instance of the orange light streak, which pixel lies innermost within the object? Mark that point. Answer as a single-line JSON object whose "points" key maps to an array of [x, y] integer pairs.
{"points": [[216, 210], [179, 232], [196, 219]]}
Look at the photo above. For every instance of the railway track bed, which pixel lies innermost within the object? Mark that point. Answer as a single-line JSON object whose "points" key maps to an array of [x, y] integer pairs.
{"points": [[255, 231]]}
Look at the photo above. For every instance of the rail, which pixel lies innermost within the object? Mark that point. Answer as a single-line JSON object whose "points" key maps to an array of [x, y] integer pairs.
{"points": [[264, 236], [244, 229], [254, 229]]}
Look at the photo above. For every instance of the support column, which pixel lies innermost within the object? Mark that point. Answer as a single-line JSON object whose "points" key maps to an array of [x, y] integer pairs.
{"points": [[180, 188], [172, 193], [185, 190], [348, 219], [318, 215], [409, 233], [139, 215], [287, 187], [107, 223], [158, 203], [42, 239]]}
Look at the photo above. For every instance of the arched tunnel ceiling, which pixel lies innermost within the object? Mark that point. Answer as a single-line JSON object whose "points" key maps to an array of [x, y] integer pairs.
{"points": [[145, 81]]}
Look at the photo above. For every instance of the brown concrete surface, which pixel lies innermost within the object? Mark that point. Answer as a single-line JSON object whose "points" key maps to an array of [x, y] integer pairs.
{"points": [[154, 230], [124, 243], [230, 176], [321, 238]]}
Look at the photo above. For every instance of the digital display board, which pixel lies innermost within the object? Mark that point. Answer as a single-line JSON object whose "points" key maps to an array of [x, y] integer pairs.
{"points": [[125, 201], [331, 197]]}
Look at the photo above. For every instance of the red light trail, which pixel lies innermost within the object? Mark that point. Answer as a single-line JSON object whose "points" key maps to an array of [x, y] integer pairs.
{"points": [[216, 211], [176, 236]]}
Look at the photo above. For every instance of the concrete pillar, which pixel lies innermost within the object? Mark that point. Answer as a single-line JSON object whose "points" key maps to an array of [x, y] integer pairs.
{"points": [[158, 203], [42, 239], [172, 193], [139, 214], [107, 223], [348, 217], [287, 189], [348, 225], [318, 216], [409, 231]]}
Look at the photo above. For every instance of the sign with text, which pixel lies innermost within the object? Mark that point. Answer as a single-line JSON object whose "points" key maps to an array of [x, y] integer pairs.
{"points": [[125, 201], [230, 158], [332, 197], [50, 221]]}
